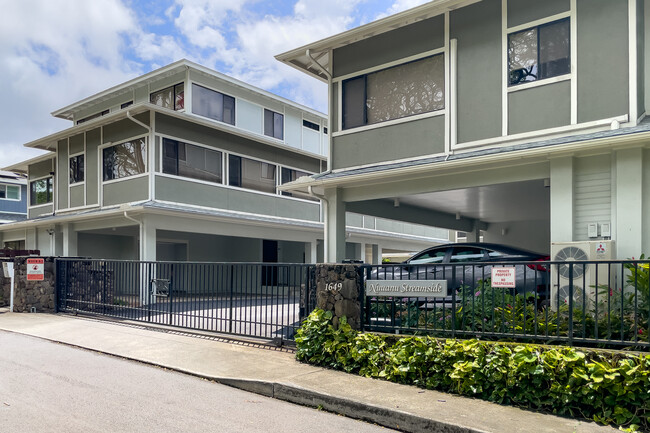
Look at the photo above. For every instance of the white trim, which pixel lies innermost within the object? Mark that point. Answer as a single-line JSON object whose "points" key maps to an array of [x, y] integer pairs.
{"points": [[340, 117], [151, 156], [573, 41], [538, 22], [391, 122], [539, 83], [37, 206], [77, 208], [632, 48], [525, 136], [447, 86], [135, 176], [14, 213], [504, 68]]}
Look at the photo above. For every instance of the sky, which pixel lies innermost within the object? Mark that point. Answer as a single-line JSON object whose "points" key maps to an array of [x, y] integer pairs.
{"points": [[56, 52]]}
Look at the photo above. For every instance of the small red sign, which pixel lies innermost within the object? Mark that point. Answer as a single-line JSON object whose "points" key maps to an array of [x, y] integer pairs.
{"points": [[503, 277], [35, 269]]}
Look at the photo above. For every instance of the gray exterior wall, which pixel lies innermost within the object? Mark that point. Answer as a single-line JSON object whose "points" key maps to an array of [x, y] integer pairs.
{"points": [[404, 42], [477, 28], [602, 59], [182, 191], [592, 193], [62, 178], [41, 210], [93, 140], [41, 169], [404, 140], [521, 12], [539, 107], [77, 195], [184, 130], [125, 129], [107, 246], [126, 191]]}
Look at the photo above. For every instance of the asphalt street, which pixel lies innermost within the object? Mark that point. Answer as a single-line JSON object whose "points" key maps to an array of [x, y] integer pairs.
{"points": [[50, 387]]}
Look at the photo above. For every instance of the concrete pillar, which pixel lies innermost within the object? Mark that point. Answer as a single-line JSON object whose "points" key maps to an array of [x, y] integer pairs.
{"points": [[69, 240], [361, 252], [376, 254], [628, 224], [334, 226], [311, 252], [147, 254], [562, 199], [475, 234]]}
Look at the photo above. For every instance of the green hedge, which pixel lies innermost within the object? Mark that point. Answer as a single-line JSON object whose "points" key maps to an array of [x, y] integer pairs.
{"points": [[607, 387]]}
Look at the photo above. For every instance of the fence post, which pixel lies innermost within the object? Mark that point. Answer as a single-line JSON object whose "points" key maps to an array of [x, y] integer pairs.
{"points": [[570, 303], [337, 290]]}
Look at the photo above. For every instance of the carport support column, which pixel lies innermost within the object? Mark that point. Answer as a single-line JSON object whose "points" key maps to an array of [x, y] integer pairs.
{"points": [[628, 223], [334, 226], [147, 254], [562, 199], [69, 241]]}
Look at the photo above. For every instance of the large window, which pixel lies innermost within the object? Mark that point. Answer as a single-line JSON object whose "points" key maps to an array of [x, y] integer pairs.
{"points": [[212, 104], [273, 124], [539, 52], [182, 159], [9, 192], [172, 97], [40, 191], [125, 159], [251, 174], [401, 91], [76, 169]]}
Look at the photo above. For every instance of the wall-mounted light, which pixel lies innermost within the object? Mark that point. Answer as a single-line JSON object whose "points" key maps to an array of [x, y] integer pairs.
{"points": [[457, 215], [547, 183], [396, 202]]}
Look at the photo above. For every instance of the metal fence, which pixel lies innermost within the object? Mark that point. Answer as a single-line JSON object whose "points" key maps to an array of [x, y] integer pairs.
{"points": [[588, 303], [252, 299]]}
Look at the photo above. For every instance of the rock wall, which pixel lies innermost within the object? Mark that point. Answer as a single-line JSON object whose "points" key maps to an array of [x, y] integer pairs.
{"points": [[37, 295], [337, 290]]}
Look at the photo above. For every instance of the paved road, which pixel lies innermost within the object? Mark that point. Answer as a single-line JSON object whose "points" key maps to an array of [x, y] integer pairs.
{"points": [[49, 387]]}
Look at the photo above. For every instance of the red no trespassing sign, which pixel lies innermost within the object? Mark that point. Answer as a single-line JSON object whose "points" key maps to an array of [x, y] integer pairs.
{"points": [[503, 277], [35, 269]]}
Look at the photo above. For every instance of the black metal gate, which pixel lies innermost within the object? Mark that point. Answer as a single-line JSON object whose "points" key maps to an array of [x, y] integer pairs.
{"points": [[253, 299]]}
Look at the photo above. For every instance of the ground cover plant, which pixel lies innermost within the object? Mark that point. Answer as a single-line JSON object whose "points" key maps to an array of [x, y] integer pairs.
{"points": [[605, 386]]}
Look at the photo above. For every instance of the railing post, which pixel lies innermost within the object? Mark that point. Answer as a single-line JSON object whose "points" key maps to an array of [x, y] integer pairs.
{"points": [[453, 300], [232, 282], [570, 303]]}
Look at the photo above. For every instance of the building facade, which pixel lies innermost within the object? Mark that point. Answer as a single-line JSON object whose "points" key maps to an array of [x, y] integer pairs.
{"points": [[13, 199], [184, 163], [520, 121]]}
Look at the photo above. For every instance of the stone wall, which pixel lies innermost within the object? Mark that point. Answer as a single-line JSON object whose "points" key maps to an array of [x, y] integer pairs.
{"points": [[37, 295], [337, 290]]}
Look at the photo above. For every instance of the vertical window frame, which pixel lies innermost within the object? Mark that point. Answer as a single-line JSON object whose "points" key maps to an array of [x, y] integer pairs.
{"points": [[49, 191], [272, 129], [73, 172]]}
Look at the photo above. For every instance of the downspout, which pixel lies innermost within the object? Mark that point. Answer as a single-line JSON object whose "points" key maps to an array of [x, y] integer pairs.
{"points": [[150, 153], [329, 118], [311, 193]]}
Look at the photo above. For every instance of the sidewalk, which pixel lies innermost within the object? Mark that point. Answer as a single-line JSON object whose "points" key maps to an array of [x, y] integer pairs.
{"points": [[272, 372]]}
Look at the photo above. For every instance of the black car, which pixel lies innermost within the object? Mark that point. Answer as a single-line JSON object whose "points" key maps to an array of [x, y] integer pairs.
{"points": [[465, 264]]}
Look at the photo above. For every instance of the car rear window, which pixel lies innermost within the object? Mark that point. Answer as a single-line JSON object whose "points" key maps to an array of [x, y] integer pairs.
{"points": [[467, 254]]}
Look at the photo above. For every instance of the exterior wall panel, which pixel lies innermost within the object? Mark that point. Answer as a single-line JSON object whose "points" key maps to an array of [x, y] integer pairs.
{"points": [[181, 191], [478, 31], [126, 191], [93, 139], [77, 195], [125, 129], [404, 140], [40, 211], [539, 108], [521, 12], [407, 41], [603, 59], [62, 177]]}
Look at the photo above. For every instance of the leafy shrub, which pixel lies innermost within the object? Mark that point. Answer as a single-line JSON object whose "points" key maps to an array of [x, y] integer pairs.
{"points": [[608, 387]]}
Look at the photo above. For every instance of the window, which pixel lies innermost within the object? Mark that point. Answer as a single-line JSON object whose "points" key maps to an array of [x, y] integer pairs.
{"points": [[9, 192], [125, 159], [187, 160], [539, 52], [76, 169], [273, 124], [401, 91], [467, 254], [171, 97], [126, 104], [94, 116], [310, 125], [289, 175], [213, 105], [40, 191], [251, 174]]}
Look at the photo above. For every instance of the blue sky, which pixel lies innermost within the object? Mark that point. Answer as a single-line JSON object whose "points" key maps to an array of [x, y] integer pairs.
{"points": [[53, 53]]}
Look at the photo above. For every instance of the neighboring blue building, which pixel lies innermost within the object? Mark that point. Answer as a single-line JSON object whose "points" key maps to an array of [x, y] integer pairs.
{"points": [[13, 197]]}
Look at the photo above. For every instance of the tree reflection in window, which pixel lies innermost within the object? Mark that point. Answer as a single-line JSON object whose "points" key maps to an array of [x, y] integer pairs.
{"points": [[539, 52], [125, 159]]}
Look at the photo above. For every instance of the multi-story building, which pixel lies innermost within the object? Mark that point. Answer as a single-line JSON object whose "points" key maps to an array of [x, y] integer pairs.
{"points": [[522, 121], [183, 163], [13, 199]]}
